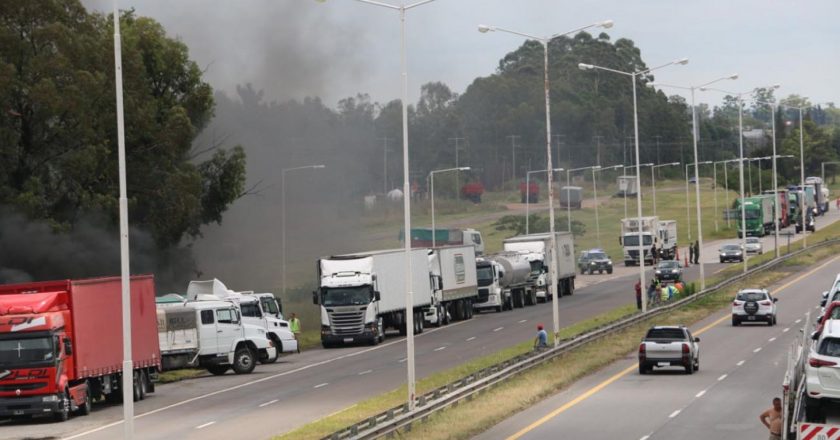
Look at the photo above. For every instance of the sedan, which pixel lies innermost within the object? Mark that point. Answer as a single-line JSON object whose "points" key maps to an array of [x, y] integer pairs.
{"points": [[668, 270], [754, 246], [731, 252]]}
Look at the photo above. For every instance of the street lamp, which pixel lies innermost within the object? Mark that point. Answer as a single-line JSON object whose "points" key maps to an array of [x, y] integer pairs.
{"points": [[633, 76], [283, 211], [568, 200], [432, 185], [740, 98], [653, 180], [695, 135], [528, 195], [552, 270], [595, 198]]}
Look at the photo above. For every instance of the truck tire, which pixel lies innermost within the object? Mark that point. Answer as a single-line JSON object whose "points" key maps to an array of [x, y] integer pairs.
{"points": [[278, 345], [244, 361], [421, 324], [64, 409], [218, 370], [140, 385], [85, 407]]}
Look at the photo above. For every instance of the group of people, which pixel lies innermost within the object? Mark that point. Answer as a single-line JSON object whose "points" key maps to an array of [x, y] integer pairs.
{"points": [[694, 252], [656, 292]]}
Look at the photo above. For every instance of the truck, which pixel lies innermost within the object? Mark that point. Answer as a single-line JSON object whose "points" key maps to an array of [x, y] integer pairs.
{"points": [[571, 197], [758, 211], [627, 186], [61, 345], [454, 284], [422, 238], [535, 247], [362, 295], [530, 189], [820, 194], [663, 233], [252, 311], [504, 280], [808, 193], [782, 198], [210, 333]]}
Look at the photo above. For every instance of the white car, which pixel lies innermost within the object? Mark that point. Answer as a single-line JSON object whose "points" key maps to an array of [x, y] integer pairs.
{"points": [[822, 371], [754, 305], [754, 246]]}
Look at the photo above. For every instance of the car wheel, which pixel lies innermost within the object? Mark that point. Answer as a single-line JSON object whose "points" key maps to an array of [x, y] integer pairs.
{"points": [[735, 322], [697, 365], [721, 260], [643, 369], [609, 271], [689, 369]]}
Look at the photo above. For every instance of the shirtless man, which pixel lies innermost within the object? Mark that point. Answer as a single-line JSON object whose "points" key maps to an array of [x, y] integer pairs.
{"points": [[772, 419]]}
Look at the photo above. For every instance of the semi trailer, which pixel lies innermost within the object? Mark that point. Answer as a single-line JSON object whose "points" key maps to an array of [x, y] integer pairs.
{"points": [[537, 247], [504, 281], [454, 284]]}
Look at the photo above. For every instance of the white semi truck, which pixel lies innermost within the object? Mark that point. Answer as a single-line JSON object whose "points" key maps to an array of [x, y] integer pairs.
{"points": [[504, 280], [454, 283], [661, 232], [535, 247], [361, 295]]}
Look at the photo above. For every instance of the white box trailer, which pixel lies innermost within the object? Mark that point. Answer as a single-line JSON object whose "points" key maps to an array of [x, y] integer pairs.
{"points": [[454, 282], [360, 295], [627, 186], [565, 257]]}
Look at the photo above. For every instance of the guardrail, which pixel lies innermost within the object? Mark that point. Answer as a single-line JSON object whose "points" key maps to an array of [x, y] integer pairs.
{"points": [[467, 387]]}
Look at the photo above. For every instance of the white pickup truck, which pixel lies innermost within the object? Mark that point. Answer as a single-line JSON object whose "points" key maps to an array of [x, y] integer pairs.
{"points": [[665, 346]]}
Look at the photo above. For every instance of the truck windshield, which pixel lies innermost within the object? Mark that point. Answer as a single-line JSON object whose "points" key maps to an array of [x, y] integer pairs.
{"points": [[485, 275], [633, 240], [26, 351], [751, 213], [346, 296], [270, 305]]}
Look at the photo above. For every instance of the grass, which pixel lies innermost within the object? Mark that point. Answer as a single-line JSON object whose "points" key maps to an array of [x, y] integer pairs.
{"points": [[179, 375]]}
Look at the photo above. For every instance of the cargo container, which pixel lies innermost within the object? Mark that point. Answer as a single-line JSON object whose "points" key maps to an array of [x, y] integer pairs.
{"points": [[454, 284], [571, 197]]}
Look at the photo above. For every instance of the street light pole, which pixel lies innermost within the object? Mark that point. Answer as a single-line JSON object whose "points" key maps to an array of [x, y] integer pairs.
{"points": [[552, 269], [432, 189], [283, 214]]}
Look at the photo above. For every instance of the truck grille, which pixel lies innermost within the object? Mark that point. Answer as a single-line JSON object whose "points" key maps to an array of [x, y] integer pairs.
{"points": [[347, 321], [483, 294], [22, 386], [635, 254]]}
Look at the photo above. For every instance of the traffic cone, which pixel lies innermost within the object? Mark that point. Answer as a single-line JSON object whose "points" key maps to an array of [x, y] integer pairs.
{"points": [[686, 261]]}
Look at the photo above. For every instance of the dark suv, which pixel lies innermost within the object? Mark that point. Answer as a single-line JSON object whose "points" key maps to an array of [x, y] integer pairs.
{"points": [[594, 260]]}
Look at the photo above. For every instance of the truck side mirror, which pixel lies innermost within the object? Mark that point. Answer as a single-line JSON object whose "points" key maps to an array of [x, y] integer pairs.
{"points": [[775, 300], [822, 303], [815, 335], [68, 347], [501, 274], [377, 296], [315, 297]]}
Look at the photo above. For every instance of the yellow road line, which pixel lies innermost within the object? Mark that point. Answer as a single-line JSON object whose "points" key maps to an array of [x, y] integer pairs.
{"points": [[587, 394]]}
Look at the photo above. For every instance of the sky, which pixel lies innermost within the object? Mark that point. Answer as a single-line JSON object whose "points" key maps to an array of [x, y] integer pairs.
{"points": [[337, 48]]}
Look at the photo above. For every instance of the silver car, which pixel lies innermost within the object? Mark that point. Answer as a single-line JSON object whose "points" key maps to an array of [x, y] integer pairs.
{"points": [[754, 246]]}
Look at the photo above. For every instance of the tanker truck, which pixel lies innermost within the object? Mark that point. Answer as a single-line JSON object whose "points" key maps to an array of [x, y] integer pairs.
{"points": [[504, 280], [534, 247]]}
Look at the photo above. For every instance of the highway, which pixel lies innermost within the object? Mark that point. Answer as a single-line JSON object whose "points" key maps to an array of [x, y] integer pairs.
{"points": [[303, 388], [741, 371]]}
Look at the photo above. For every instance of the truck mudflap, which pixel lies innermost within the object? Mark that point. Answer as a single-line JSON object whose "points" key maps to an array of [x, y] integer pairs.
{"points": [[29, 405], [817, 431]]}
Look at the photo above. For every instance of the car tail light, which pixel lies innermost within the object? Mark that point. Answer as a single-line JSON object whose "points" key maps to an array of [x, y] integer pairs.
{"points": [[685, 349], [642, 351], [817, 363], [766, 303], [737, 303]]}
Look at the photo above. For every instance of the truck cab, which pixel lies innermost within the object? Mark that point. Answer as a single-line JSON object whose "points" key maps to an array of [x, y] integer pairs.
{"points": [[349, 308], [276, 329], [491, 293]]}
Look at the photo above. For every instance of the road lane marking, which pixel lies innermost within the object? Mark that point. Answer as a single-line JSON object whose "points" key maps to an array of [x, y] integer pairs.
{"points": [[674, 414], [523, 321], [597, 388], [498, 328], [263, 405], [786, 330], [471, 338], [645, 437], [740, 363], [771, 339], [757, 350], [402, 360], [797, 321], [721, 377], [700, 394], [321, 385], [365, 372], [440, 348], [204, 425]]}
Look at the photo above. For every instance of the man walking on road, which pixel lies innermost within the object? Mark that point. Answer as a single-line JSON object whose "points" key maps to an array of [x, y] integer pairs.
{"points": [[294, 326], [772, 419]]}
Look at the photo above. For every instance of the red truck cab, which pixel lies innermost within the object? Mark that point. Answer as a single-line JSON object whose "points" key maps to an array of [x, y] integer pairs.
{"points": [[61, 345]]}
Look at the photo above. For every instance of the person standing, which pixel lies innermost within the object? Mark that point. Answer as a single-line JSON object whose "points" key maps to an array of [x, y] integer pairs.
{"points": [[691, 253], [697, 252], [639, 294], [772, 419], [541, 341], [294, 326]]}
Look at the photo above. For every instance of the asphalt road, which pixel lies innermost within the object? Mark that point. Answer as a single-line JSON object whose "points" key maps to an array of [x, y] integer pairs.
{"points": [[303, 388], [741, 371]]}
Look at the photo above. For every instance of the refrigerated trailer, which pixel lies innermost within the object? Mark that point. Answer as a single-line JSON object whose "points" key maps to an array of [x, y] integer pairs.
{"points": [[361, 295], [454, 284], [61, 345]]}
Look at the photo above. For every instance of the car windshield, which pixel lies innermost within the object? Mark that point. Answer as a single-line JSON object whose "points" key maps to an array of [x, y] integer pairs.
{"points": [[751, 296], [665, 333], [346, 296], [669, 265], [753, 240], [830, 347], [485, 275], [731, 247], [26, 351], [633, 240], [597, 256]]}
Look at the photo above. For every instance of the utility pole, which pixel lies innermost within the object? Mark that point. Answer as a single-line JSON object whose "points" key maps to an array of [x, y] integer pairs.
{"points": [[513, 139], [457, 175], [597, 149], [385, 164]]}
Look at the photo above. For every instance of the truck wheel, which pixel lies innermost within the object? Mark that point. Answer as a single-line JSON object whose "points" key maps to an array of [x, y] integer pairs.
{"points": [[421, 325], [218, 370], [244, 361], [85, 408], [139, 388], [278, 345], [64, 407]]}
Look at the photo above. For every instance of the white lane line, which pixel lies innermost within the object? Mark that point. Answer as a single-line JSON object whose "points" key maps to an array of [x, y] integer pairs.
{"points": [[757, 350], [786, 330], [365, 372], [722, 377], [263, 405], [523, 321], [700, 394], [471, 338], [497, 329], [204, 425], [403, 360], [440, 348], [321, 385], [740, 363], [797, 321], [645, 437], [674, 414], [771, 339]]}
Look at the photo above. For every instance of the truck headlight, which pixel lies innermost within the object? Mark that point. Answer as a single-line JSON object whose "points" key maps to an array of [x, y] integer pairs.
{"points": [[51, 398], [673, 270], [325, 330]]}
